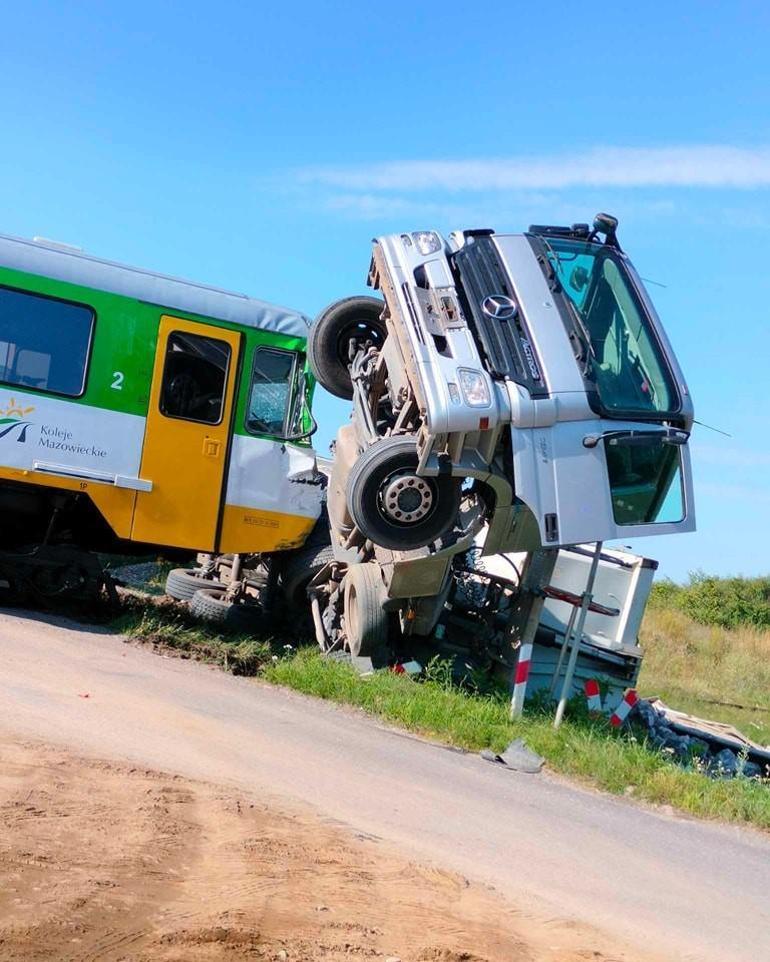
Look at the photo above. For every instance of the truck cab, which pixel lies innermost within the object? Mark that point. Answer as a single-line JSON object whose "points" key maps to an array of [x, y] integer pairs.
{"points": [[534, 367]]}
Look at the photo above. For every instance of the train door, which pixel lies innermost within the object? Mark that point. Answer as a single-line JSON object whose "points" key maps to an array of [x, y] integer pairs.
{"points": [[187, 433]]}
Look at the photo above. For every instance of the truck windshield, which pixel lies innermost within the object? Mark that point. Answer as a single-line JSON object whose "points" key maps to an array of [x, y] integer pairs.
{"points": [[624, 358]]}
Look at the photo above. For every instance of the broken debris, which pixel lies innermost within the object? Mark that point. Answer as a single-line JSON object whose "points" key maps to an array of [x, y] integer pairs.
{"points": [[516, 756], [713, 747]]}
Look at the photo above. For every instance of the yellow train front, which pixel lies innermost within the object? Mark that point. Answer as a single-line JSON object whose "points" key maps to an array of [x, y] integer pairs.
{"points": [[141, 410]]}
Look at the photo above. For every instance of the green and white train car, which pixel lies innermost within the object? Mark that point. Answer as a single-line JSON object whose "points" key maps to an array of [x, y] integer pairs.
{"points": [[136, 407]]}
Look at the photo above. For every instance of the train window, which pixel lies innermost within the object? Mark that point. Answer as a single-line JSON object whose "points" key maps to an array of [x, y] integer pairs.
{"points": [[194, 377], [44, 342], [271, 391]]}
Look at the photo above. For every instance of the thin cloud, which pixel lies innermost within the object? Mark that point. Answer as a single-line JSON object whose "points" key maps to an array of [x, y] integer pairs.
{"points": [[705, 166], [515, 206], [370, 205]]}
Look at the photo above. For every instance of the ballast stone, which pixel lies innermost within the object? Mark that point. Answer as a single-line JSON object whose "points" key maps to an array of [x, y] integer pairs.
{"points": [[689, 749]]}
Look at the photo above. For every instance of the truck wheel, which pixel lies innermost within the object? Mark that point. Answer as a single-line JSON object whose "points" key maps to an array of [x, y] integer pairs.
{"points": [[392, 505], [213, 607], [366, 623], [300, 568], [182, 583], [354, 318]]}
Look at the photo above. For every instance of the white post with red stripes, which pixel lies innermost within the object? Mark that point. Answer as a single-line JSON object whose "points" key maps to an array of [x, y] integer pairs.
{"points": [[577, 635], [535, 575], [520, 679], [593, 696], [622, 711]]}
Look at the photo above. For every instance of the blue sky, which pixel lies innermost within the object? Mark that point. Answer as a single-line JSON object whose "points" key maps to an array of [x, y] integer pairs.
{"points": [[261, 147]]}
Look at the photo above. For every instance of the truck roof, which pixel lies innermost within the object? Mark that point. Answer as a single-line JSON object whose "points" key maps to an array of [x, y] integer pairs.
{"points": [[49, 259]]}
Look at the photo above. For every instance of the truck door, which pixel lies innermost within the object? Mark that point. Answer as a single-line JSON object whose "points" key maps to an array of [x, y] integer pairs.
{"points": [[604, 491], [187, 433]]}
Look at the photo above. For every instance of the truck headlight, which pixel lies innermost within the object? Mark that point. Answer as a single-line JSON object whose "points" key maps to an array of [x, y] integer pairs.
{"points": [[473, 384], [427, 241]]}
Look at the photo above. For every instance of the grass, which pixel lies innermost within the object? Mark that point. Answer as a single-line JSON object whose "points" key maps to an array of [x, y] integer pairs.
{"points": [[167, 626], [582, 748], [692, 666], [708, 670]]}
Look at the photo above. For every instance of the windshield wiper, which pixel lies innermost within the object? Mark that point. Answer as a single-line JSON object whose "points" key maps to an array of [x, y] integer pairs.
{"points": [[582, 334], [553, 278], [586, 355], [633, 437]]}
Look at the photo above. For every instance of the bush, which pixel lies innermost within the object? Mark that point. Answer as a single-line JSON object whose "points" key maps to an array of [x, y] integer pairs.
{"points": [[724, 602], [665, 594]]}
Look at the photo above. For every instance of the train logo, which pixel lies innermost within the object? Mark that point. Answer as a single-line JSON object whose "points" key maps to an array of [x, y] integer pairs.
{"points": [[14, 419]]}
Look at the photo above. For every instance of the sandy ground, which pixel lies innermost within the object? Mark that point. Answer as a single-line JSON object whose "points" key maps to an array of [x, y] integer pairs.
{"points": [[143, 866], [103, 861]]}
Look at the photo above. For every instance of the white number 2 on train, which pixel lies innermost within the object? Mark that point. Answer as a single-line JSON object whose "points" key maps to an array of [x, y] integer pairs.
{"points": [[117, 384]]}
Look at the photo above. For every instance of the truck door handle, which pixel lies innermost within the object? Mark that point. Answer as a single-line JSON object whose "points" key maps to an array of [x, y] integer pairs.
{"points": [[211, 447]]}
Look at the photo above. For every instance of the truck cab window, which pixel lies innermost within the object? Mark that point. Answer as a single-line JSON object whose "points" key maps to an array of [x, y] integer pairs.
{"points": [[44, 342], [194, 377], [645, 482], [271, 392]]}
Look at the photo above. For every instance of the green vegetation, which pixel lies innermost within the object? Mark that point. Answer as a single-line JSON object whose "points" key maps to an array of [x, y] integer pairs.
{"points": [[679, 653], [167, 626], [723, 602], [714, 672], [582, 748]]}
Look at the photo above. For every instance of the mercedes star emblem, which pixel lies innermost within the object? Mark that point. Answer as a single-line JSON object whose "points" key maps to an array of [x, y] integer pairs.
{"points": [[500, 307]]}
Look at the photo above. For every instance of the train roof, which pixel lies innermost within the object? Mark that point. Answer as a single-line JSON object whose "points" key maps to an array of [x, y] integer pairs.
{"points": [[50, 259]]}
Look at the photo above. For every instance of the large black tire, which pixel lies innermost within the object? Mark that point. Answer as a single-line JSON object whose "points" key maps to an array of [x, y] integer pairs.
{"points": [[373, 505], [300, 568], [366, 622], [182, 584], [330, 337], [211, 606]]}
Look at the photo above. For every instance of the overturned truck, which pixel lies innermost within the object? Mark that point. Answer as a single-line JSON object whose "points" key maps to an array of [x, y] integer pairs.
{"points": [[512, 393]]}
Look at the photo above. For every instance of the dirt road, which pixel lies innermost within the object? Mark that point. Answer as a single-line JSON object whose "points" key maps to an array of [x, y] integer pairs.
{"points": [[104, 861], [666, 886]]}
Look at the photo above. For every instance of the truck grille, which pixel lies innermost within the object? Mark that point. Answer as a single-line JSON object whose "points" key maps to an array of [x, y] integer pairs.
{"points": [[506, 349]]}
